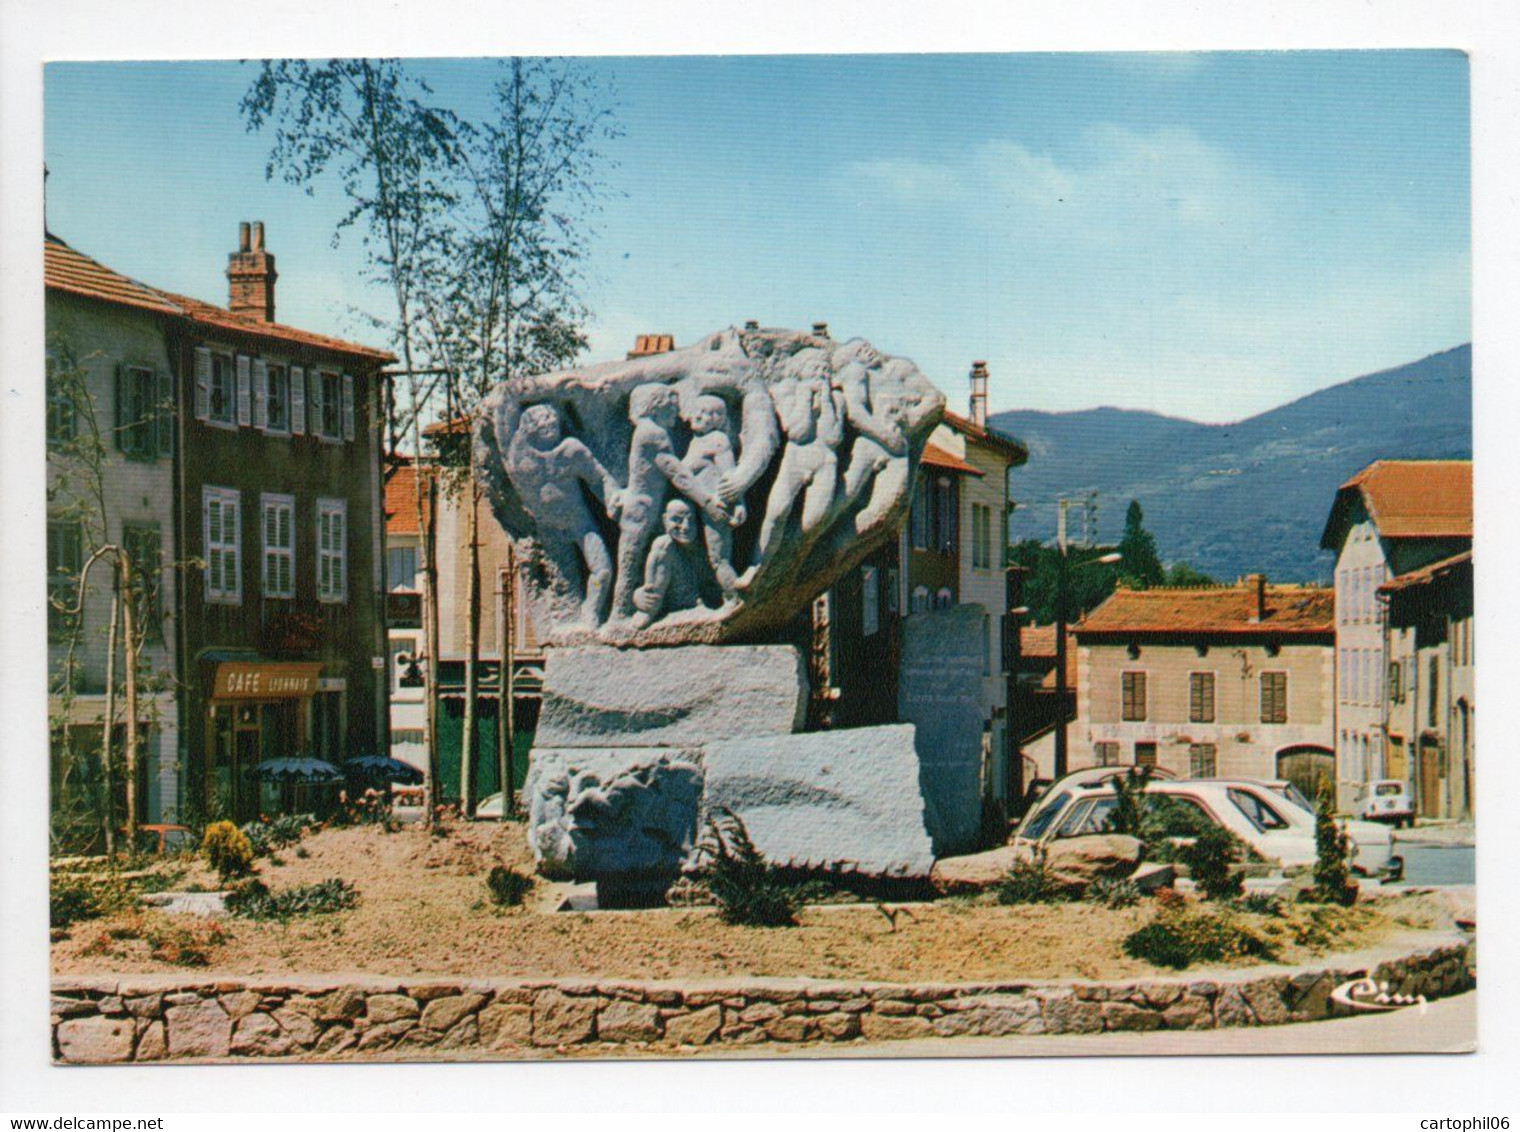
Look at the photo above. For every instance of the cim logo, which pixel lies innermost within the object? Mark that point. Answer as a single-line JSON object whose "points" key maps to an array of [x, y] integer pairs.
{"points": [[1368, 994]]}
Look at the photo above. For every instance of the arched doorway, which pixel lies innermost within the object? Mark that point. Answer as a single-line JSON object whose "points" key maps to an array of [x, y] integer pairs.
{"points": [[1310, 768]]}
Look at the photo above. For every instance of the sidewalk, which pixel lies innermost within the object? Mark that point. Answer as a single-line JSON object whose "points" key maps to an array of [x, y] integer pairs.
{"points": [[1437, 832]]}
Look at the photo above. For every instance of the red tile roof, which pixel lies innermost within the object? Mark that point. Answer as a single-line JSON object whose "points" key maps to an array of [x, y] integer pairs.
{"points": [[1290, 610], [936, 457], [1001, 443], [64, 269], [1407, 499], [1427, 574], [401, 500], [1037, 641], [646, 344], [71, 271]]}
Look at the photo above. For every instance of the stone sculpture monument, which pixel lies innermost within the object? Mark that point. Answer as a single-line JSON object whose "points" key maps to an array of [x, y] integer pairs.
{"points": [[673, 515]]}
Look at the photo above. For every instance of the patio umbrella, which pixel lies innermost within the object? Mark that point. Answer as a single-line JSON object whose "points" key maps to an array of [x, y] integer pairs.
{"points": [[307, 770], [383, 768]]}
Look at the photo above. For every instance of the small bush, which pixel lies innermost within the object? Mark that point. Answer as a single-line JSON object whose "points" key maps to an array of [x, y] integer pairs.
{"points": [[1210, 859], [1130, 803], [1260, 904], [747, 889], [186, 945], [1332, 879], [1030, 881], [1114, 892], [1178, 939], [70, 901], [227, 850], [507, 886], [253, 900], [1170, 898]]}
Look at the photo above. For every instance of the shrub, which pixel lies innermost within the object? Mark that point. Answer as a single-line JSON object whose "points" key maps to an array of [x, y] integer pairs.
{"points": [[1114, 892], [1030, 881], [1260, 904], [1332, 880], [186, 945], [253, 900], [1209, 859], [1130, 802], [1178, 938], [227, 850], [71, 900], [746, 888], [507, 886]]}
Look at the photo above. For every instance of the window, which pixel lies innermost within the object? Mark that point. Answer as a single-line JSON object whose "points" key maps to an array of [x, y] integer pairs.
{"points": [[933, 525], [271, 397], [981, 536], [1106, 753], [986, 644], [332, 405], [215, 387], [1395, 682], [222, 531], [870, 601], [65, 551], [144, 413], [1145, 754], [401, 647], [1132, 695], [1202, 760], [144, 547], [1256, 810], [332, 550], [1274, 697], [279, 526], [1434, 701], [1201, 697], [401, 568], [62, 420]]}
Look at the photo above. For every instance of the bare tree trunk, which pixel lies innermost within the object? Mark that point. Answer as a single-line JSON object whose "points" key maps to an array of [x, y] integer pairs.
{"points": [[469, 746], [505, 704], [129, 660], [109, 722], [427, 512]]}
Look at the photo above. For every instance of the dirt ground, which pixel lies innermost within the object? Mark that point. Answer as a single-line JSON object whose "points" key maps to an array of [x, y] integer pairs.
{"points": [[424, 911]]}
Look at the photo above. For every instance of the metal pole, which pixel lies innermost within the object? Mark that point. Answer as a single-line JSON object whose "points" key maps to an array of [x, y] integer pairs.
{"points": [[506, 734], [1012, 716], [1063, 585]]}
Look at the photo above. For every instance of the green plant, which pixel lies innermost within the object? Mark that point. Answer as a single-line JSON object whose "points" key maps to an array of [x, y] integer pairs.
{"points": [[1128, 814], [507, 886], [227, 850], [1030, 881], [186, 945], [1178, 938], [1210, 859], [71, 900], [1260, 904], [1332, 880], [747, 889], [253, 900], [1114, 892]]}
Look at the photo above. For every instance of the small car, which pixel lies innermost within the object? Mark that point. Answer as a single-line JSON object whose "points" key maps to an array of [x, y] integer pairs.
{"points": [[1388, 800]]}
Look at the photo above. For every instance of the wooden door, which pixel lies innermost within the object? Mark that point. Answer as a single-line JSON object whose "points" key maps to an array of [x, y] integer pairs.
{"points": [[1430, 779]]}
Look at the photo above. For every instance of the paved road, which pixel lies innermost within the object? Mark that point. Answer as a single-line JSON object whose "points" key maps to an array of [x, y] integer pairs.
{"points": [[1447, 1026]]}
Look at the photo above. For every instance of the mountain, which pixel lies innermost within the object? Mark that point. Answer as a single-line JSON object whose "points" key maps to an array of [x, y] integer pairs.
{"points": [[1247, 497]]}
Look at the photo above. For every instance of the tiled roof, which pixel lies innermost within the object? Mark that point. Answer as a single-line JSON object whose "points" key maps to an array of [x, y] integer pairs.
{"points": [[998, 441], [936, 457], [1218, 609], [1407, 499], [646, 344], [64, 269], [1037, 641], [401, 500], [1427, 574]]}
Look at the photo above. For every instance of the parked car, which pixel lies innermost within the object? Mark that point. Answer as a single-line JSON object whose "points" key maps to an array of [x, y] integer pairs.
{"points": [[1277, 830], [1051, 797], [1388, 800]]}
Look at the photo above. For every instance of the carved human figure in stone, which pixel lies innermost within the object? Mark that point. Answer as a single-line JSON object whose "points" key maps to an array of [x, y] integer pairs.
{"points": [[548, 469], [672, 573], [653, 469], [811, 412], [709, 457]]}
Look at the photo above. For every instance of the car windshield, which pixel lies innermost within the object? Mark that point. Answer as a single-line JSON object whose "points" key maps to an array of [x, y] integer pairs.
{"points": [[1256, 810], [1089, 818], [1036, 826], [1388, 789]]}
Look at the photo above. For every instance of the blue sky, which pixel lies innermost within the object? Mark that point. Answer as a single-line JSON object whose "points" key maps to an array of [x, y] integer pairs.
{"points": [[1201, 235]]}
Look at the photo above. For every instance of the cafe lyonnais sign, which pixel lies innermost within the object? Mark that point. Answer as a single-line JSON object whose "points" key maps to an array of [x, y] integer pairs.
{"points": [[239, 680]]}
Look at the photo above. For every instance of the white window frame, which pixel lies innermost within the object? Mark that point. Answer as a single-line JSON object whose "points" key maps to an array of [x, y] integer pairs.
{"points": [[320, 402], [265, 369], [228, 501], [227, 356], [273, 553], [332, 562]]}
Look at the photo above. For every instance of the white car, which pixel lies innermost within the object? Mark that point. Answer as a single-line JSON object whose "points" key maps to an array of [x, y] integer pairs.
{"points": [[1388, 800], [1056, 794], [1276, 829]]}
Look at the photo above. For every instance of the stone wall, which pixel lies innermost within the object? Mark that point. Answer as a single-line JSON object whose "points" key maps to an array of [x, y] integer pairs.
{"points": [[176, 1017]]}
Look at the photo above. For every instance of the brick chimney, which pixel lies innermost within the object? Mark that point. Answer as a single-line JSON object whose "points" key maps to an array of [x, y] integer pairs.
{"points": [[821, 329], [646, 344], [251, 275], [1256, 590], [979, 394]]}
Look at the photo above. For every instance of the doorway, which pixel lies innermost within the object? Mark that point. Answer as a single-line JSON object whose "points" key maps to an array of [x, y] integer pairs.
{"points": [[1311, 769]]}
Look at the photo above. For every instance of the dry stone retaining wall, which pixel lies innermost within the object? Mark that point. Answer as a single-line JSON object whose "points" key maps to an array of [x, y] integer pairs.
{"points": [[154, 1018]]}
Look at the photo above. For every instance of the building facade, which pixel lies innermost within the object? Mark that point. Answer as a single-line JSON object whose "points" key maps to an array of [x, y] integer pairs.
{"points": [[1391, 518], [1229, 681]]}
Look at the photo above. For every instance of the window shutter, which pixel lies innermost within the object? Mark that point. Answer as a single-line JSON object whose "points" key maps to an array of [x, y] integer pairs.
{"points": [[316, 403], [348, 407], [340, 523], [202, 383], [260, 395], [123, 391], [233, 519], [209, 576], [244, 391], [164, 417], [297, 401]]}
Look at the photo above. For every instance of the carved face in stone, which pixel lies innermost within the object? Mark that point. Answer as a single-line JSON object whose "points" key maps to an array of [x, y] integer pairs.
{"points": [[655, 403], [540, 424], [710, 414], [680, 523]]}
